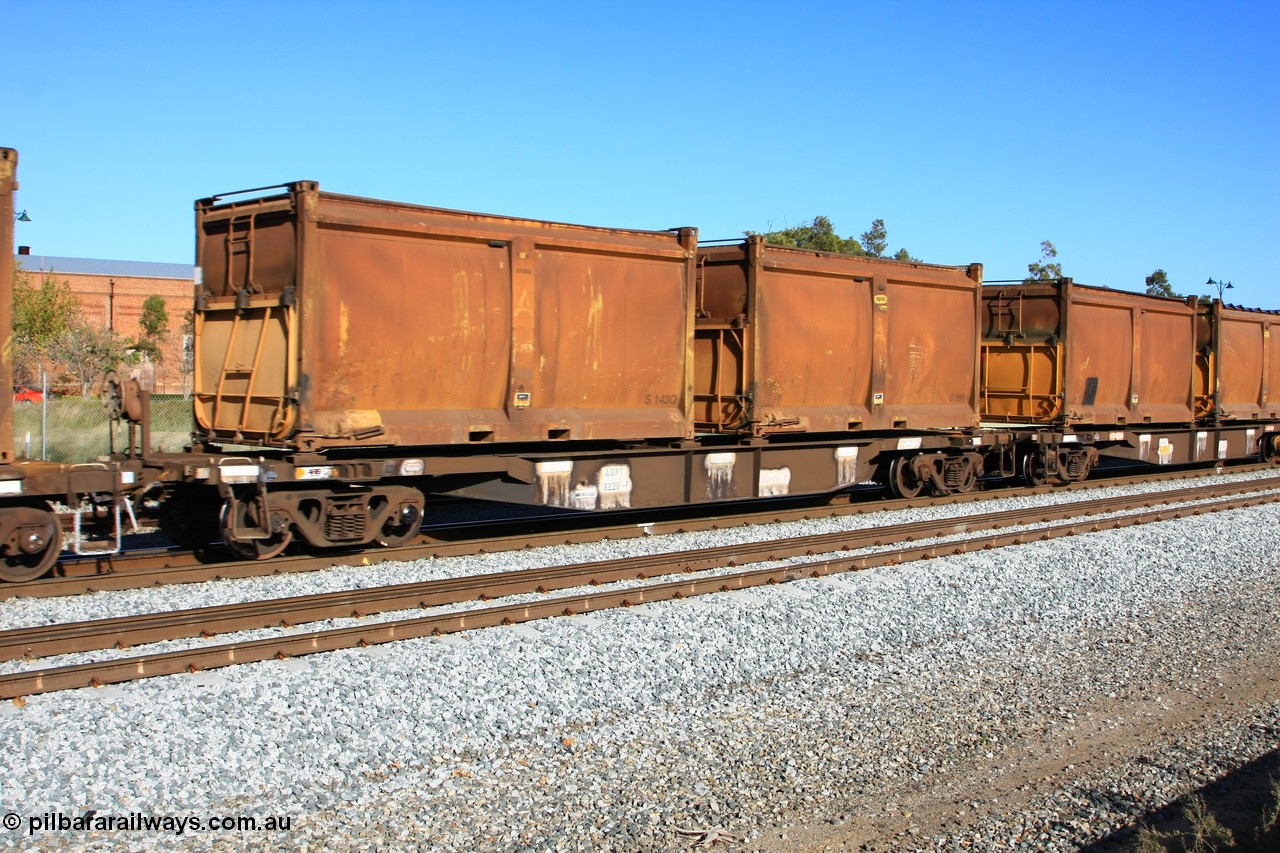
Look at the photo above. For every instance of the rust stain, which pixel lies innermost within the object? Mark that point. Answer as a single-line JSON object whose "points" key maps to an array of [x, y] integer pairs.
{"points": [[344, 328], [462, 316], [918, 356], [594, 315]]}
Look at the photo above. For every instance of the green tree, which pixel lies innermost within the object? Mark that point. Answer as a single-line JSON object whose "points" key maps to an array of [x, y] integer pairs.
{"points": [[821, 234], [1043, 270], [875, 239], [40, 316], [88, 352], [155, 328], [1158, 285], [818, 234]]}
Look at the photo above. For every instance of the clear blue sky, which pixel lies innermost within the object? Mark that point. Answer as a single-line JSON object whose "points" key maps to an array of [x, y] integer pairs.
{"points": [[1132, 135]]}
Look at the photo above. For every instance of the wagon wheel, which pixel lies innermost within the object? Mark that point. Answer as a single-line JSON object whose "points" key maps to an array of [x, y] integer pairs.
{"points": [[189, 518], [401, 526], [903, 481], [33, 544], [1034, 470], [245, 514], [969, 480]]}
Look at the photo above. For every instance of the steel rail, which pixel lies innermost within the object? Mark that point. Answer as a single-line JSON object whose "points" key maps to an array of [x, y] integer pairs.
{"points": [[48, 640], [20, 684], [172, 567]]}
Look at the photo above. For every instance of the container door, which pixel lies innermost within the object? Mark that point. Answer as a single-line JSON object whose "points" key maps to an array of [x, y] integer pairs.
{"points": [[246, 318], [244, 366]]}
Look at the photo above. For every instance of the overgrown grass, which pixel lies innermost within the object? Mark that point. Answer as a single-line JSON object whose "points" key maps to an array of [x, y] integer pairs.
{"points": [[1206, 834], [78, 430]]}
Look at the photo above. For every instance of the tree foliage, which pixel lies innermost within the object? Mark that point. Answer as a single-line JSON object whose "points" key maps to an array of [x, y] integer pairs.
{"points": [[50, 331], [155, 327], [88, 352], [820, 234], [1158, 285], [1044, 269], [875, 239], [41, 314]]}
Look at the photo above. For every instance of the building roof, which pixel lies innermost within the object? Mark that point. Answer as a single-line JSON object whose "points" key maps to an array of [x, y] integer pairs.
{"points": [[95, 266]]}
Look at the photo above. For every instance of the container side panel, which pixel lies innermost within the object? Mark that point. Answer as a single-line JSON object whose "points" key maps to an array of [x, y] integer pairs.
{"points": [[815, 347], [1240, 348], [409, 324], [1167, 364], [933, 336], [612, 333], [1271, 379], [1099, 362]]}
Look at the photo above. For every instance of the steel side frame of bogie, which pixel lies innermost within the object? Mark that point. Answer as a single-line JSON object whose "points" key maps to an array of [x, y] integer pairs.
{"points": [[332, 515], [937, 472]]}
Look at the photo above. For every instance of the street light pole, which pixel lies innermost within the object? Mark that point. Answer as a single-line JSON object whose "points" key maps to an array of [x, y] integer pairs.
{"points": [[1221, 285]]}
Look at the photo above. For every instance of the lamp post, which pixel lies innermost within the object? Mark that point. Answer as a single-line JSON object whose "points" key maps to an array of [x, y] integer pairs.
{"points": [[1221, 285], [21, 216]]}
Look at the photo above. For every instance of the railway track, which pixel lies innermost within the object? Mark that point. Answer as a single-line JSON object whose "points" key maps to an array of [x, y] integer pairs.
{"points": [[162, 566], [135, 630]]}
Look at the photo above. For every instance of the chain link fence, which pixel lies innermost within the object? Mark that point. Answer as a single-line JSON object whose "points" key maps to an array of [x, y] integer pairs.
{"points": [[73, 429]]}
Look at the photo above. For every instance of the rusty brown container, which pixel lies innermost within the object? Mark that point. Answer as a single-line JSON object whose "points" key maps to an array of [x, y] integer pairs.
{"points": [[792, 340], [325, 320], [8, 186], [1246, 362], [1061, 353]]}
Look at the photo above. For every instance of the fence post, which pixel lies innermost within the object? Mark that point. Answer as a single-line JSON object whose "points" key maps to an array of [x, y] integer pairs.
{"points": [[44, 416]]}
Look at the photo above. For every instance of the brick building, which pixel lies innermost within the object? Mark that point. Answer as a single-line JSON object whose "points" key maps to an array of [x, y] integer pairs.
{"points": [[111, 295]]}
